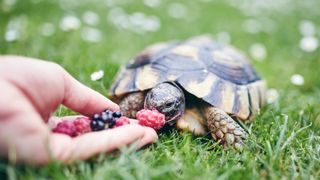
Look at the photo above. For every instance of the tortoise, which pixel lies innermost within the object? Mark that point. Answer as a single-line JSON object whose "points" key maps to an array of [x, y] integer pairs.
{"points": [[198, 84]]}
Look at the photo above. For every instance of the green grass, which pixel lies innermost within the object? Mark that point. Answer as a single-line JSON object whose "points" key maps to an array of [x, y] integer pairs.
{"points": [[285, 139]]}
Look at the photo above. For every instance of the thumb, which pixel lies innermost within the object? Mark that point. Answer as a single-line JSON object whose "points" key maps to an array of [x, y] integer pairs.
{"points": [[84, 100]]}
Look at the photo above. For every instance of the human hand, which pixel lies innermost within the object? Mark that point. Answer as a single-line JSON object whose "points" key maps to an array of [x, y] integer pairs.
{"points": [[31, 90]]}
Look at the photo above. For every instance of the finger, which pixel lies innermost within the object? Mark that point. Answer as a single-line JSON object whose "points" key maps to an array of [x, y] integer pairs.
{"points": [[133, 121], [54, 120], [84, 100], [66, 149]]}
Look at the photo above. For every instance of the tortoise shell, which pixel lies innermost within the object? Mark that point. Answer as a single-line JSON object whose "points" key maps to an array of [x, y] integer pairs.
{"points": [[215, 73]]}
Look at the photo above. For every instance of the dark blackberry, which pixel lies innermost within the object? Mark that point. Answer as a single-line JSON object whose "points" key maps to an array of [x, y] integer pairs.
{"points": [[96, 117], [113, 122], [107, 111], [117, 114], [110, 115], [97, 125], [104, 120], [104, 116]]}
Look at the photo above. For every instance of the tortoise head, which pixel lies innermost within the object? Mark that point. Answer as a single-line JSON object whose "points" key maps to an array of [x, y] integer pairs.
{"points": [[167, 98]]}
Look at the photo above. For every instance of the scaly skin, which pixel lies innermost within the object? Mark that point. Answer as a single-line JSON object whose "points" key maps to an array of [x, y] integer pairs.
{"points": [[223, 128], [131, 104]]}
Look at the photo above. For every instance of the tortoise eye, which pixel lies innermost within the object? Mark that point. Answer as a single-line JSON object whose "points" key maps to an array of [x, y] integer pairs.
{"points": [[168, 104]]}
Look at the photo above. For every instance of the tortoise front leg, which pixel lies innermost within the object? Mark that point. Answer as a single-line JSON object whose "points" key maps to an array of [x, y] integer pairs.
{"points": [[132, 103], [223, 128]]}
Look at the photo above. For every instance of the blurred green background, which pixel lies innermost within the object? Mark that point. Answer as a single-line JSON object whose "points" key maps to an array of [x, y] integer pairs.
{"points": [[280, 36]]}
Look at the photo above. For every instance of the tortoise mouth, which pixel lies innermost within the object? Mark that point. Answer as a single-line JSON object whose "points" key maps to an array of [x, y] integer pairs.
{"points": [[168, 118], [174, 118], [167, 99]]}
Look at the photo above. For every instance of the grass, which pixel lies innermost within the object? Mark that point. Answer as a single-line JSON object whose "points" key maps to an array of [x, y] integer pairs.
{"points": [[285, 138]]}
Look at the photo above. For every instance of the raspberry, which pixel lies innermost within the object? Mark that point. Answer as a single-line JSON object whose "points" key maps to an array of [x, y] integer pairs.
{"points": [[151, 118], [121, 122], [65, 127], [82, 125]]}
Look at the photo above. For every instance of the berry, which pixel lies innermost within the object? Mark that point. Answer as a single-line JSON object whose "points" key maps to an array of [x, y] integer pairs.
{"points": [[104, 120], [117, 114], [104, 116], [97, 125], [65, 127], [121, 121], [151, 118], [96, 117], [82, 125]]}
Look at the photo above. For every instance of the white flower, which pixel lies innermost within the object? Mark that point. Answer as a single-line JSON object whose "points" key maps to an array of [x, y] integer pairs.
{"points": [[90, 18], [309, 44], [177, 10], [137, 19], [119, 18], [252, 26], [272, 96], [137, 22], [7, 5], [9, 2], [152, 3], [91, 35], [15, 28], [151, 23], [47, 29], [258, 51], [307, 28], [11, 35], [297, 79], [114, 13], [97, 75], [69, 23]]}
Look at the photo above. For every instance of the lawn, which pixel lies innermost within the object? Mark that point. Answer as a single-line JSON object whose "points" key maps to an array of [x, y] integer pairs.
{"points": [[281, 37]]}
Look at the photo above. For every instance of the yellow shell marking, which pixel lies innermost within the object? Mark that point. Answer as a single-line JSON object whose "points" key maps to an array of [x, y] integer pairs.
{"points": [[223, 58], [201, 89], [146, 78], [123, 83], [185, 50], [227, 96], [263, 93], [254, 93], [172, 77], [244, 110]]}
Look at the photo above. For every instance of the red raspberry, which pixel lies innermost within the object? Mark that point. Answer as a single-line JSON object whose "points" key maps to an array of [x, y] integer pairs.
{"points": [[151, 118], [65, 127], [82, 125], [121, 121]]}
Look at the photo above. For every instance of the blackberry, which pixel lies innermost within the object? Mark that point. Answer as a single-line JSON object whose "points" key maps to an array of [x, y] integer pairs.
{"points": [[104, 120], [104, 117], [97, 125], [117, 114], [96, 117]]}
